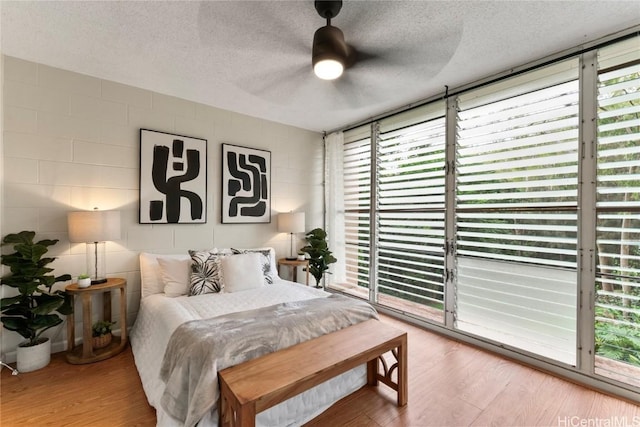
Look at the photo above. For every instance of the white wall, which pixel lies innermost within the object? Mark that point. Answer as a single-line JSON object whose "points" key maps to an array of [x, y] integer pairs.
{"points": [[71, 142]]}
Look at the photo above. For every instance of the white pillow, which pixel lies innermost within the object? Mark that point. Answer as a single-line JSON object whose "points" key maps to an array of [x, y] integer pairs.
{"points": [[150, 276], [242, 272], [175, 275], [269, 267]]}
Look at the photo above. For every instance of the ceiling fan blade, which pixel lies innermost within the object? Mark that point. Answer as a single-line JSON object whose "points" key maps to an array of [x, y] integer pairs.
{"points": [[352, 91], [254, 26], [277, 86], [358, 56]]}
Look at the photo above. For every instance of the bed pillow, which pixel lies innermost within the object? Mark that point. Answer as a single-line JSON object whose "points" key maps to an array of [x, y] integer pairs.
{"points": [[266, 264], [150, 276], [175, 275], [206, 274], [242, 272]]}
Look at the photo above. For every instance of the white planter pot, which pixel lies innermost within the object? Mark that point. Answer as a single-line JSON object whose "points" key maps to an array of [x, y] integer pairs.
{"points": [[84, 283], [34, 357]]}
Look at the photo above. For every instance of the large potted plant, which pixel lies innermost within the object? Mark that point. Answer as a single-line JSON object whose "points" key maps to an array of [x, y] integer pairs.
{"points": [[35, 309], [319, 254]]}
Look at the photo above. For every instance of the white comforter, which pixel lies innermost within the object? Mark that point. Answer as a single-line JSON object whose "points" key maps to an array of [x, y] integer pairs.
{"points": [[159, 316]]}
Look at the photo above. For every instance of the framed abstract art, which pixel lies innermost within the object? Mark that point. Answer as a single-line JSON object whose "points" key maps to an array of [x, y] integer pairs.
{"points": [[173, 178], [246, 185]]}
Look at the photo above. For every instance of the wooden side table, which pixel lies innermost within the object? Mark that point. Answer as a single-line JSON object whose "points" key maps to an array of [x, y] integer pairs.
{"points": [[85, 353], [294, 263]]}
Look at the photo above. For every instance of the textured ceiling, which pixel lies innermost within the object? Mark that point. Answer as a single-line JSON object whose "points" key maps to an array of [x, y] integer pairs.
{"points": [[255, 57]]}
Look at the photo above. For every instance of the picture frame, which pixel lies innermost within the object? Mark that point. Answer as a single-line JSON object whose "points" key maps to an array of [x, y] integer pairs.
{"points": [[173, 178], [246, 185]]}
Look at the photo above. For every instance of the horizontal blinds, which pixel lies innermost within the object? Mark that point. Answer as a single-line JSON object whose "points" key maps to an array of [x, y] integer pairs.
{"points": [[411, 166], [410, 214], [617, 305], [624, 52], [357, 199], [524, 306], [516, 212], [551, 75], [411, 256], [520, 152], [515, 156], [411, 117], [619, 137]]}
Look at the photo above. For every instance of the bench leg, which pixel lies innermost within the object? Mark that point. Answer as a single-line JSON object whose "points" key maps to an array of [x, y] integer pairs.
{"points": [[246, 416], [403, 388], [225, 412], [372, 372]]}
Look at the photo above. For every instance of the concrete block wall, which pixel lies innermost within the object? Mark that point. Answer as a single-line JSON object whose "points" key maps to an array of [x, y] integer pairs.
{"points": [[71, 142]]}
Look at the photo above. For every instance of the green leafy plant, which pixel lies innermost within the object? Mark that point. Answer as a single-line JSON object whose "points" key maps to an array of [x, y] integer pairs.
{"points": [[101, 328], [618, 342], [33, 311], [83, 276], [318, 253]]}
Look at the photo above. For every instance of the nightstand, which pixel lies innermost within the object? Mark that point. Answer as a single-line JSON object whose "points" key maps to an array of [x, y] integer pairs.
{"points": [[294, 264], [85, 353]]}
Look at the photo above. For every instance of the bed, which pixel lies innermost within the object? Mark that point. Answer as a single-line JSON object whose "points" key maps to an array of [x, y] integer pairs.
{"points": [[164, 308]]}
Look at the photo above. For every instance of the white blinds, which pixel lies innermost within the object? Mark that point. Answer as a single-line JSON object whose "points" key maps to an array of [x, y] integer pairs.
{"points": [[357, 200], [411, 188], [517, 175], [617, 307], [334, 205], [517, 197], [512, 236]]}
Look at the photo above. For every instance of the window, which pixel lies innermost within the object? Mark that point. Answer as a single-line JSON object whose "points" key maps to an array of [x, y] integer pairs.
{"points": [[496, 212], [617, 307], [517, 200], [410, 211], [357, 203]]}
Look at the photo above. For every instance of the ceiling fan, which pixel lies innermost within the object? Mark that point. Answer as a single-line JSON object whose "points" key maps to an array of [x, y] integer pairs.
{"points": [[331, 55], [262, 50]]}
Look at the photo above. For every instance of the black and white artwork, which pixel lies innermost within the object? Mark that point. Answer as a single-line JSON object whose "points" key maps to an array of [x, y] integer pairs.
{"points": [[246, 187], [173, 178]]}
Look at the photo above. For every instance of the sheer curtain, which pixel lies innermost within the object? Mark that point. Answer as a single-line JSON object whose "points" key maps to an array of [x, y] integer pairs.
{"points": [[334, 204]]}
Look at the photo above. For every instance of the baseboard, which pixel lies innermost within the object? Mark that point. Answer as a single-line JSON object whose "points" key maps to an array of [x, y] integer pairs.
{"points": [[56, 347]]}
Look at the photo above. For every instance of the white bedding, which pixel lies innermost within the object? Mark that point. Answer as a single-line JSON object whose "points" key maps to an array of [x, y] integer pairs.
{"points": [[159, 316]]}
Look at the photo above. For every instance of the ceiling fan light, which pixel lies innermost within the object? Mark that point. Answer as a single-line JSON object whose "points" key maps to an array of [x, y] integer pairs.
{"points": [[328, 69], [329, 53]]}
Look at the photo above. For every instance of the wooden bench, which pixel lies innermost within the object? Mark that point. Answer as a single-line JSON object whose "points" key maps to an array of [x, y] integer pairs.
{"points": [[256, 385]]}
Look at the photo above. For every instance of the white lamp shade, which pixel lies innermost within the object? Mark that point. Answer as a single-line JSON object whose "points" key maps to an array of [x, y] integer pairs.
{"points": [[291, 222], [93, 226]]}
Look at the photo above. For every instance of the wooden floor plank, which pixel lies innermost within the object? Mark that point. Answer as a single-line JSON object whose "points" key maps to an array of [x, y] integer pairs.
{"points": [[107, 393], [450, 384]]}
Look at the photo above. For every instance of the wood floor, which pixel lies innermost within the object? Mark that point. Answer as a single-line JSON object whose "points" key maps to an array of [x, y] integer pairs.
{"points": [[450, 384]]}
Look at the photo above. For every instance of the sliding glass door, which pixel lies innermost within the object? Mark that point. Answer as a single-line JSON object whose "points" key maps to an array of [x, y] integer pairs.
{"points": [[617, 306], [509, 212], [517, 200], [410, 211]]}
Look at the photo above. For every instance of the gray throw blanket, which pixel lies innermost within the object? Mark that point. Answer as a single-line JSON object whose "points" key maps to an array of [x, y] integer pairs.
{"points": [[199, 349]]}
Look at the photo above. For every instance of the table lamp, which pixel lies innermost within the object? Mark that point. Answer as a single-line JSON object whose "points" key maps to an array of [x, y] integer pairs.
{"points": [[291, 222], [94, 228]]}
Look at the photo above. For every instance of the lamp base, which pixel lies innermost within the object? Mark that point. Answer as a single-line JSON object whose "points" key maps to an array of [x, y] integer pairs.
{"points": [[291, 258], [98, 281]]}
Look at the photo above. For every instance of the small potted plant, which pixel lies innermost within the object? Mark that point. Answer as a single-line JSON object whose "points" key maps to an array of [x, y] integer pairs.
{"points": [[101, 332], [318, 254], [84, 281]]}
